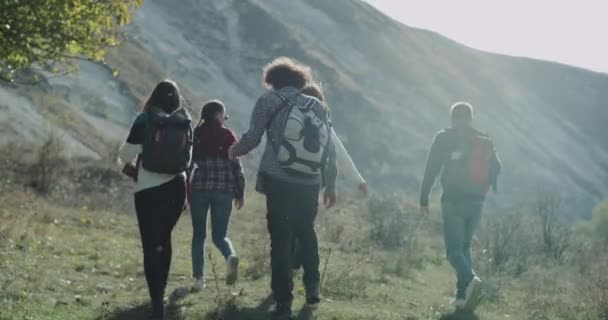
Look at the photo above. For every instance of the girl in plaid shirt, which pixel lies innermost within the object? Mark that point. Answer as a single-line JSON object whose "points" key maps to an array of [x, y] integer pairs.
{"points": [[215, 182]]}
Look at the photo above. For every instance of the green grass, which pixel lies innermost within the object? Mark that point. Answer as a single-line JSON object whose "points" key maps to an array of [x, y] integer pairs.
{"points": [[67, 263]]}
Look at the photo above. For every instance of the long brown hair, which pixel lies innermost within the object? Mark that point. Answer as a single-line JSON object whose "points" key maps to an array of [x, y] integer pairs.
{"points": [[210, 110], [165, 95], [314, 89]]}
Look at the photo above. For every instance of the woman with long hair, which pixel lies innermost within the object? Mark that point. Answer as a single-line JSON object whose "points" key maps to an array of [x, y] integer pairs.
{"points": [[160, 191], [346, 165], [215, 182]]}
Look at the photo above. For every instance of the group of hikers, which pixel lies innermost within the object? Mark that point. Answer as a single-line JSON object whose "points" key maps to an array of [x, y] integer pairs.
{"points": [[174, 164]]}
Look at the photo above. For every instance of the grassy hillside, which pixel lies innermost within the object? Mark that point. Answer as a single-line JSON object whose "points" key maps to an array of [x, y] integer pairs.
{"points": [[61, 263], [73, 258]]}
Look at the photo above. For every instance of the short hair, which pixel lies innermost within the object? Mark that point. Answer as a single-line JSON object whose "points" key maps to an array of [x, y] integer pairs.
{"points": [[462, 112], [314, 90], [286, 72]]}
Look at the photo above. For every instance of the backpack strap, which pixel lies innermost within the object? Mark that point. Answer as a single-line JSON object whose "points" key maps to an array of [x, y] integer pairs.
{"points": [[286, 101]]}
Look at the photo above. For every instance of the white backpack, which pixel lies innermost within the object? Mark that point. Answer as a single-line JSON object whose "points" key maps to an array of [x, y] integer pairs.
{"points": [[303, 136]]}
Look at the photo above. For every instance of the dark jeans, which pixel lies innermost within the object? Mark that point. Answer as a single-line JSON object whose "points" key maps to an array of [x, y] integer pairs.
{"points": [[460, 219], [220, 204], [158, 210], [292, 210]]}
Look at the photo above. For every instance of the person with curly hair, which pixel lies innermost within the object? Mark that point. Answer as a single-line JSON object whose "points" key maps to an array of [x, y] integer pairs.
{"points": [[291, 199]]}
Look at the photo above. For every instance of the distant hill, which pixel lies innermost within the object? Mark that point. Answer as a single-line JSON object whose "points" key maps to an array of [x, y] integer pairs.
{"points": [[389, 87]]}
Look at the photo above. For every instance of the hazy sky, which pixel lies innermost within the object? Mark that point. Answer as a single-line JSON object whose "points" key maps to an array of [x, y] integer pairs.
{"points": [[567, 31]]}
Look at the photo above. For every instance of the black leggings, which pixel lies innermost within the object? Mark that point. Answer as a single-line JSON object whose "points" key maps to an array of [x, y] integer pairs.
{"points": [[158, 210]]}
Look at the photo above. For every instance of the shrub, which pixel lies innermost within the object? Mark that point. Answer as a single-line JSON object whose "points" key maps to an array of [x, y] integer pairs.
{"points": [[48, 161], [599, 223], [505, 244], [112, 154], [388, 222], [403, 263], [346, 284], [556, 234]]}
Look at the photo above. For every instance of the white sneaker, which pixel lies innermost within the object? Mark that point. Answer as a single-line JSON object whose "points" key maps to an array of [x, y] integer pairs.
{"points": [[473, 294], [199, 285], [232, 270]]}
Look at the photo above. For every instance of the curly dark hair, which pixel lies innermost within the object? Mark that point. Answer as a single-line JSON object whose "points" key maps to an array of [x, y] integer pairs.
{"points": [[165, 95], [286, 72]]}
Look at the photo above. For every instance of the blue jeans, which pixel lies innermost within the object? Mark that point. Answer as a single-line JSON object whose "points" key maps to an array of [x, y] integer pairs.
{"points": [[460, 219], [220, 204]]}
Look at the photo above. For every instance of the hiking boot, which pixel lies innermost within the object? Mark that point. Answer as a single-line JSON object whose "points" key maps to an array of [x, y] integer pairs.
{"points": [[473, 294], [199, 285], [282, 312], [232, 270], [313, 296]]}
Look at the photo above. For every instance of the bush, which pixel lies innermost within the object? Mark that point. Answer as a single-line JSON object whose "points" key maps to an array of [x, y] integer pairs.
{"points": [[391, 222], [556, 233], [344, 281], [505, 244], [48, 161], [599, 223]]}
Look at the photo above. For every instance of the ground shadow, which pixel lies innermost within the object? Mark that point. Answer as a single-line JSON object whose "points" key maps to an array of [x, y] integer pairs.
{"points": [[306, 314], [139, 312], [266, 303], [459, 315], [235, 313], [261, 312]]}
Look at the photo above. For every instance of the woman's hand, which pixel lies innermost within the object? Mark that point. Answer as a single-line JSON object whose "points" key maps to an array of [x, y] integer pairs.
{"points": [[329, 199], [239, 203]]}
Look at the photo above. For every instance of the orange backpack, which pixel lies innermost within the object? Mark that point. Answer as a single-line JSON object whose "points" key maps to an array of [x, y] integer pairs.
{"points": [[467, 169]]}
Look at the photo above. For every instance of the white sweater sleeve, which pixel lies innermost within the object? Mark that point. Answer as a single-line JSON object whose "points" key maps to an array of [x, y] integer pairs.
{"points": [[128, 152], [345, 162]]}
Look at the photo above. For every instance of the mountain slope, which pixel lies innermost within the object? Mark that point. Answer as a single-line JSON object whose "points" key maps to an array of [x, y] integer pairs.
{"points": [[389, 87]]}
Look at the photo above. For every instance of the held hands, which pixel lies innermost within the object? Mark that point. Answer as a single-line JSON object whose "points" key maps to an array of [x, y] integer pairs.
{"points": [[239, 203], [231, 154], [329, 199]]}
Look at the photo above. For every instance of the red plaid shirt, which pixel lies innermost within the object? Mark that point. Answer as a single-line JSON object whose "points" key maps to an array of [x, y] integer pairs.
{"points": [[218, 174]]}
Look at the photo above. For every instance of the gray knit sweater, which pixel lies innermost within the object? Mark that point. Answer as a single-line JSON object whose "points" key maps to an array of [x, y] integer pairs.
{"points": [[264, 109]]}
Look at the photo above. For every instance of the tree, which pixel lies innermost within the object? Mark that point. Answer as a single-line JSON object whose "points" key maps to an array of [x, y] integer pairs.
{"points": [[56, 32]]}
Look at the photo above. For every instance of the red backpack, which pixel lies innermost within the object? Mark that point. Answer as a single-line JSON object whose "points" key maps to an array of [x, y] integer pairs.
{"points": [[467, 168]]}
